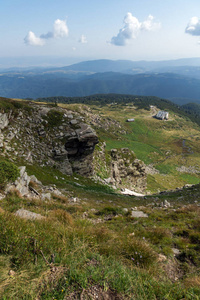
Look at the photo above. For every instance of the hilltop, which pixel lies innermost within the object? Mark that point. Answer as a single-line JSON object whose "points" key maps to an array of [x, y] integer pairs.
{"points": [[67, 231]]}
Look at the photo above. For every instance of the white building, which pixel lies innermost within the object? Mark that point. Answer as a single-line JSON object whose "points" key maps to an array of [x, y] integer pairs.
{"points": [[162, 115]]}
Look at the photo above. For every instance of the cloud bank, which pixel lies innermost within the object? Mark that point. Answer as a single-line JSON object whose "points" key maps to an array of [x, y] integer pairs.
{"points": [[193, 26], [132, 28], [60, 30]]}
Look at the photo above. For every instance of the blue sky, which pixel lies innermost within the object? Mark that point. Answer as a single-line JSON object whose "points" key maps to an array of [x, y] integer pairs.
{"points": [[113, 29]]}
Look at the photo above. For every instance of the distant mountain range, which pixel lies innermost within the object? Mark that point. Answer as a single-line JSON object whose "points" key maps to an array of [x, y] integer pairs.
{"points": [[176, 80]]}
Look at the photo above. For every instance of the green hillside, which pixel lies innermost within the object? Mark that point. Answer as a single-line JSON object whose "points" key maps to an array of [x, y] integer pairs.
{"points": [[166, 85], [169, 146], [88, 241], [139, 101]]}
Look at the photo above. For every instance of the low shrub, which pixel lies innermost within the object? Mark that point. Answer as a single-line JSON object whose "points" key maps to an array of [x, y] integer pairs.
{"points": [[110, 211], [8, 172], [54, 118], [138, 251]]}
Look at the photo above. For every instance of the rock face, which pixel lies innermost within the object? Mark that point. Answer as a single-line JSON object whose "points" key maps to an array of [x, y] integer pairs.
{"points": [[80, 147], [127, 170], [120, 168], [21, 184], [50, 136]]}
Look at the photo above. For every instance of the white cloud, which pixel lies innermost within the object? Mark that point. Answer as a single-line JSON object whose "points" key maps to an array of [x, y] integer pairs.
{"points": [[193, 26], [132, 28], [60, 30], [83, 39], [32, 40]]}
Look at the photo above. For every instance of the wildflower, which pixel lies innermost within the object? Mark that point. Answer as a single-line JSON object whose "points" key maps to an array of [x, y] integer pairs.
{"points": [[132, 258]]}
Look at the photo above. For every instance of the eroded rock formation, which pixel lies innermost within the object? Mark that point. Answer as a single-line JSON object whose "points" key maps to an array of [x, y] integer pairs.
{"points": [[126, 170], [50, 136], [120, 168]]}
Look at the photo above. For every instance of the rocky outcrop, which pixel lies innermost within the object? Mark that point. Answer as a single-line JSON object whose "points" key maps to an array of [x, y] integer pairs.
{"points": [[189, 170], [120, 168], [80, 147], [21, 184], [61, 138], [4, 121], [52, 137], [126, 170]]}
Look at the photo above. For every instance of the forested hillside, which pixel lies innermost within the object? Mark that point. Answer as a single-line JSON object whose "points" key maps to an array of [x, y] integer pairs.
{"points": [[166, 85]]}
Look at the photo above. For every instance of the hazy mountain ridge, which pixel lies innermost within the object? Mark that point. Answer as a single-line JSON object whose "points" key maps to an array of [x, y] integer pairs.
{"points": [[162, 85], [173, 80]]}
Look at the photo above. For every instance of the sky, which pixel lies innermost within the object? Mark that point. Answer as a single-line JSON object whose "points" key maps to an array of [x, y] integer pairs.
{"points": [[65, 31]]}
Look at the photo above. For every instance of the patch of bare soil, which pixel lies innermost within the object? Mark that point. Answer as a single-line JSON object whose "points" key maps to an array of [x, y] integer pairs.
{"points": [[93, 293], [173, 269]]}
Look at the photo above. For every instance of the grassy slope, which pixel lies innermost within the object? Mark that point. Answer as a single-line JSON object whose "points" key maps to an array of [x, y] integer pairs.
{"points": [[92, 246], [120, 255], [166, 144]]}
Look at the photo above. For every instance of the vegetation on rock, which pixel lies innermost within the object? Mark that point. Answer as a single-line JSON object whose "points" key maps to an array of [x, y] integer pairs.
{"points": [[8, 172]]}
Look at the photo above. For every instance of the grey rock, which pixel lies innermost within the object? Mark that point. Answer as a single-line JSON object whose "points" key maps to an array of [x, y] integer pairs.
{"points": [[165, 204], [138, 214], [46, 196], [22, 182], [73, 122], [26, 214], [176, 251], [34, 179], [4, 121]]}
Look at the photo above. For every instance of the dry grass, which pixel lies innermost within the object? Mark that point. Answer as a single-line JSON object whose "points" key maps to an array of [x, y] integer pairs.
{"points": [[192, 282], [60, 198], [49, 279], [62, 216]]}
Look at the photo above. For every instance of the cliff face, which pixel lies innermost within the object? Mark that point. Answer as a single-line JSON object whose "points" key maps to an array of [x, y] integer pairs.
{"points": [[120, 168], [49, 136], [127, 171]]}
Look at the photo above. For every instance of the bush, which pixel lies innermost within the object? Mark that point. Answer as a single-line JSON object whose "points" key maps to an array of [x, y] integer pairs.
{"points": [[54, 118], [8, 172]]}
